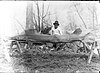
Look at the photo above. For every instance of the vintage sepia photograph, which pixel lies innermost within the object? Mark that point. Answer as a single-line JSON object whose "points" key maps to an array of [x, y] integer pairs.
{"points": [[50, 37]]}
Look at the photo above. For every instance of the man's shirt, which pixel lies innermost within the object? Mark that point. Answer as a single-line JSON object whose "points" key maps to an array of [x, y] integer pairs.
{"points": [[56, 31]]}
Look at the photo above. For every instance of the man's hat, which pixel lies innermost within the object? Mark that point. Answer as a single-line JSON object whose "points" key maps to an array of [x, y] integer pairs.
{"points": [[56, 23]]}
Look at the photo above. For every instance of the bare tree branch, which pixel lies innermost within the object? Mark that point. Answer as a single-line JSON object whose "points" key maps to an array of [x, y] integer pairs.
{"points": [[46, 12], [42, 16], [50, 17], [38, 12], [20, 24], [35, 23], [80, 16], [94, 15], [17, 30]]}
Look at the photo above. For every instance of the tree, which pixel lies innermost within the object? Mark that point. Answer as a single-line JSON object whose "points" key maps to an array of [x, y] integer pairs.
{"points": [[75, 16], [38, 14], [72, 23], [75, 5], [92, 9], [41, 16], [29, 16]]}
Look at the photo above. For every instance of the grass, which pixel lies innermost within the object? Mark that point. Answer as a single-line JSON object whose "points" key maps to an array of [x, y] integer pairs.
{"points": [[58, 63]]}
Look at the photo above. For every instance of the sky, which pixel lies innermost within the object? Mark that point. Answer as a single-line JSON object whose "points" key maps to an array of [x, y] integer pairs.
{"points": [[5, 20], [7, 12], [12, 14]]}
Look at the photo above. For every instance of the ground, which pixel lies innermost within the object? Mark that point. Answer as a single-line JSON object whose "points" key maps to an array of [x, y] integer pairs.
{"points": [[55, 62]]}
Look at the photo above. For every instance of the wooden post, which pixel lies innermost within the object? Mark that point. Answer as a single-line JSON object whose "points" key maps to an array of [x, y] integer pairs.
{"points": [[90, 56], [91, 53], [19, 47]]}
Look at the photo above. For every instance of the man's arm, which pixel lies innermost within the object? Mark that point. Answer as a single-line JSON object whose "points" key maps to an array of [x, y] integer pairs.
{"points": [[59, 32], [52, 32]]}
